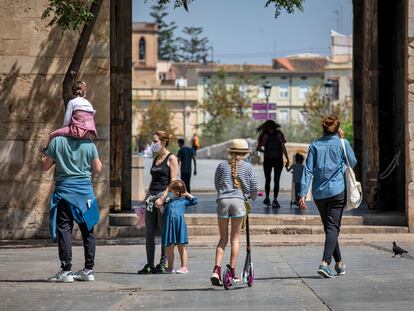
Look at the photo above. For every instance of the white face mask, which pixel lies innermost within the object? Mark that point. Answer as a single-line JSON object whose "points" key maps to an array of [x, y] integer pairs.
{"points": [[156, 147]]}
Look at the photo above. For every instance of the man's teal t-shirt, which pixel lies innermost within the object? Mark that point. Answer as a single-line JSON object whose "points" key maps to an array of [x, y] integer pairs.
{"points": [[72, 156]]}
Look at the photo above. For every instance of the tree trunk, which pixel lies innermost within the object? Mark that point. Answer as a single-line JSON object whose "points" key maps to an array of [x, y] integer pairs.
{"points": [[77, 58]]}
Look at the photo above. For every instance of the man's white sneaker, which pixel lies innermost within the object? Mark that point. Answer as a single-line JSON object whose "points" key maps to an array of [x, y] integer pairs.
{"points": [[84, 276], [62, 277]]}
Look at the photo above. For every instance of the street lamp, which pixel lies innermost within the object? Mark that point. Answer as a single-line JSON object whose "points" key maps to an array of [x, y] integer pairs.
{"points": [[267, 89], [328, 88]]}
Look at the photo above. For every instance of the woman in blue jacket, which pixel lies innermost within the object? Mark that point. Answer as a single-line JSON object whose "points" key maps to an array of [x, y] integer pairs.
{"points": [[325, 163]]}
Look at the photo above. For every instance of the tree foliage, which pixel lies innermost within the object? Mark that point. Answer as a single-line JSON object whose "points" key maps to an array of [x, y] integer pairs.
{"points": [[289, 5], [156, 118], [68, 15], [167, 43], [315, 109], [226, 103], [193, 46]]}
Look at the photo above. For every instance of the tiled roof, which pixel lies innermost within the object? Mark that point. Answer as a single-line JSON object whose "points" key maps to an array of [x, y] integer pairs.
{"points": [[235, 68], [309, 64], [144, 27]]}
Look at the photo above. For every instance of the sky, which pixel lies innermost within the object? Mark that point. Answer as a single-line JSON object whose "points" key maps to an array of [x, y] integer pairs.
{"points": [[244, 31]]}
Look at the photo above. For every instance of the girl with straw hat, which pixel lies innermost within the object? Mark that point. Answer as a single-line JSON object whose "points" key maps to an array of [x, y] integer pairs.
{"points": [[230, 176]]}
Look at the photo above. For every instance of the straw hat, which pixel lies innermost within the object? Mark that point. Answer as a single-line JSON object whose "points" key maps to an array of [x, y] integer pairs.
{"points": [[239, 146]]}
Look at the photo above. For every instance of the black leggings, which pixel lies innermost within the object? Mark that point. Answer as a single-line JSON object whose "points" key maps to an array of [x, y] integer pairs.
{"points": [[268, 164], [153, 221], [331, 210]]}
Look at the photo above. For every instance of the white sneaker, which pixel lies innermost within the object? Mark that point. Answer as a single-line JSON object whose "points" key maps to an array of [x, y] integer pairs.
{"points": [[62, 277], [84, 276]]}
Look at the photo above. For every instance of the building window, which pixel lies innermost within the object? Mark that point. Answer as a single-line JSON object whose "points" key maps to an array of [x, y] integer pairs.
{"points": [[283, 91], [283, 116], [303, 78], [303, 91], [141, 50]]}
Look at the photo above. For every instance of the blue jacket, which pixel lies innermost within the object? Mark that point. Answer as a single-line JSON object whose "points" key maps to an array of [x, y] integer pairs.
{"points": [[78, 194], [326, 164]]}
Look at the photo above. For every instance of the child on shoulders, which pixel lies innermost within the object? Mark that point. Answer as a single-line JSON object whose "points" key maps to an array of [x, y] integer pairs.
{"points": [[174, 230], [79, 116]]}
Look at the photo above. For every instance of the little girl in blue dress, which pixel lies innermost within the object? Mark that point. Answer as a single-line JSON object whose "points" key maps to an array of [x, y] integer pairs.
{"points": [[174, 230]]}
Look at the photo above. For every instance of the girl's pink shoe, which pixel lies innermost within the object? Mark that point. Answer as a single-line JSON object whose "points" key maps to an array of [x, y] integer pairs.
{"points": [[182, 270]]}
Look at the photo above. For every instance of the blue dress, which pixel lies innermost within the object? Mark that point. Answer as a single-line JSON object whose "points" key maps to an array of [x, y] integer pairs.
{"points": [[174, 229]]}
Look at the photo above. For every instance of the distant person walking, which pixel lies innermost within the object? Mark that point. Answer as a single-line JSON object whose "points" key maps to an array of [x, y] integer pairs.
{"points": [[325, 163], [271, 142], [195, 143], [164, 169], [229, 177], [297, 171], [73, 199], [185, 156]]}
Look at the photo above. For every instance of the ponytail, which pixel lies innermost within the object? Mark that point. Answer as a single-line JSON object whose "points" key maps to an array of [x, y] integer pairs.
{"points": [[234, 158], [164, 136]]}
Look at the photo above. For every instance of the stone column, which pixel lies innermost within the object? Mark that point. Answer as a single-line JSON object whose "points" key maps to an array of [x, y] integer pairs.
{"points": [[409, 161], [121, 104]]}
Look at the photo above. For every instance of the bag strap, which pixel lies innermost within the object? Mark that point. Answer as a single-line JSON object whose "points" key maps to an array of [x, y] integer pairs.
{"points": [[347, 161], [343, 147], [240, 186]]}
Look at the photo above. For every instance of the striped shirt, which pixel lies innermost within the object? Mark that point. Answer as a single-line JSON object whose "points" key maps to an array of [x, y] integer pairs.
{"points": [[224, 182]]}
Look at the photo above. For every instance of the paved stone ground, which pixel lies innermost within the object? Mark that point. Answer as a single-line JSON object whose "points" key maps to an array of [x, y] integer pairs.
{"points": [[285, 280]]}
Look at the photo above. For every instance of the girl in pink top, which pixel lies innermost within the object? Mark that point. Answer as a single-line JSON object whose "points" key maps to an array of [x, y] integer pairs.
{"points": [[79, 117]]}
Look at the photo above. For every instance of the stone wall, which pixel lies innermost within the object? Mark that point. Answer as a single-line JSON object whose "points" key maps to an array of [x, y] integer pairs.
{"points": [[33, 61]]}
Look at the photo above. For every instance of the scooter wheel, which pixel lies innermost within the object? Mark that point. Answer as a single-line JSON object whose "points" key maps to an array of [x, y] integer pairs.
{"points": [[227, 279], [250, 276]]}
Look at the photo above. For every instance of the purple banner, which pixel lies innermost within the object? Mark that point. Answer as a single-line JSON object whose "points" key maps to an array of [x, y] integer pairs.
{"points": [[260, 106], [263, 116]]}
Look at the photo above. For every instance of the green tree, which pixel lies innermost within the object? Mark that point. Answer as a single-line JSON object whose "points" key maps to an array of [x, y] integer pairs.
{"points": [[193, 46], [156, 118], [167, 43], [315, 109], [289, 5], [226, 103], [71, 15]]}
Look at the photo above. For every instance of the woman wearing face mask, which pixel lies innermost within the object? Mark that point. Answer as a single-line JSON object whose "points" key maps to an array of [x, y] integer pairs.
{"points": [[164, 170]]}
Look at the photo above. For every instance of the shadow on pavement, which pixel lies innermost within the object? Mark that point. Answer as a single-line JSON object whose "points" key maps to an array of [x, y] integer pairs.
{"points": [[312, 277], [198, 289], [25, 281]]}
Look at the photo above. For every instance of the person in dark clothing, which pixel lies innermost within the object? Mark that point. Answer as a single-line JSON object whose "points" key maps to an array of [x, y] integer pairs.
{"points": [[185, 155], [271, 142], [164, 170], [324, 167]]}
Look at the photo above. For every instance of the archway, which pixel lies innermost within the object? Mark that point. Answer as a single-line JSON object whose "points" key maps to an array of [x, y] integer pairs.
{"points": [[380, 102]]}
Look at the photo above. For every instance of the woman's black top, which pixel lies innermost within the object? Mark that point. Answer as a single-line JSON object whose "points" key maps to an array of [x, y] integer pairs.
{"points": [[160, 176], [273, 145]]}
